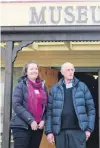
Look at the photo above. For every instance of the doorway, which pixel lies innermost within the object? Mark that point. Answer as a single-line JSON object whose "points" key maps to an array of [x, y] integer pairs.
{"points": [[91, 80]]}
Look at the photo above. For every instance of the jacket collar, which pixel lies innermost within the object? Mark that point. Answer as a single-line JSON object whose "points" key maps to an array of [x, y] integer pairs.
{"points": [[74, 82], [24, 80]]}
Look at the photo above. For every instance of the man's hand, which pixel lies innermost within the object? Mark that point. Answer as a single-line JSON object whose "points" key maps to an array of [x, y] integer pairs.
{"points": [[50, 138], [87, 135], [34, 125], [41, 125]]}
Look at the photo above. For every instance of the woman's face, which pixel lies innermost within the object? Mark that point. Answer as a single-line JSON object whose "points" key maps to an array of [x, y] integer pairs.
{"points": [[32, 71]]}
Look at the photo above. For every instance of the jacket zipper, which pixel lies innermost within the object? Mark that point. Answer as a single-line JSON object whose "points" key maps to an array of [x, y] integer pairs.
{"points": [[74, 103], [62, 107], [42, 112]]}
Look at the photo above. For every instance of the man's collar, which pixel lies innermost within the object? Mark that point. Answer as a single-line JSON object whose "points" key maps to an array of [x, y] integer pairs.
{"points": [[69, 85]]}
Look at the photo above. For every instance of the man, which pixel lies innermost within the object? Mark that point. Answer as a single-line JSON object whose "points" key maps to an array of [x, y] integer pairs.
{"points": [[70, 112]]}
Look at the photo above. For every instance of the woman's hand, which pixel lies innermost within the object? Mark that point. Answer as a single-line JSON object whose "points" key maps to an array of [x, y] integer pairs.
{"points": [[34, 125], [41, 125]]}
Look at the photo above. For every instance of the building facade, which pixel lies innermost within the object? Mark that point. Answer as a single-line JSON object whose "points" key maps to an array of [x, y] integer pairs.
{"points": [[49, 33]]}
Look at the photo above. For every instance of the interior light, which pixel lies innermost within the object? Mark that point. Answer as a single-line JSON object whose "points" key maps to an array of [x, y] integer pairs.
{"points": [[95, 77]]}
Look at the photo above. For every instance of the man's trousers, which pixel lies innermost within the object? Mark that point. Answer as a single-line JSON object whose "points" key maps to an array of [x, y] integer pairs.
{"points": [[71, 139]]}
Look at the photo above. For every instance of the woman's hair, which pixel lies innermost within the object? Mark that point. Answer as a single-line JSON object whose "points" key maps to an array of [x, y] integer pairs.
{"points": [[24, 70]]}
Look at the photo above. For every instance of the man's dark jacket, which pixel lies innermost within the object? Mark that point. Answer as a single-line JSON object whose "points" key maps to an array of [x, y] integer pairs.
{"points": [[83, 105]]}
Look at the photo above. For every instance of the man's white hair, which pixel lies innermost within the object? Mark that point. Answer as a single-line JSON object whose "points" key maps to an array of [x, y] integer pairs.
{"points": [[65, 65]]}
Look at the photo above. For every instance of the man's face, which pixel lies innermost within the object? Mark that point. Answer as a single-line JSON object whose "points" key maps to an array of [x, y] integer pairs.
{"points": [[68, 72]]}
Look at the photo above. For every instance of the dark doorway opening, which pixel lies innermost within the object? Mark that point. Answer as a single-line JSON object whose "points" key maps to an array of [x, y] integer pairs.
{"points": [[91, 80]]}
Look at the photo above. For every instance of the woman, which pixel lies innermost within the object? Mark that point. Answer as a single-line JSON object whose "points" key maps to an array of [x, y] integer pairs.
{"points": [[29, 104]]}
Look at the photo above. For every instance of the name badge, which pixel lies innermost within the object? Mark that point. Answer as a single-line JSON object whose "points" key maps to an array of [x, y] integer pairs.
{"points": [[36, 92]]}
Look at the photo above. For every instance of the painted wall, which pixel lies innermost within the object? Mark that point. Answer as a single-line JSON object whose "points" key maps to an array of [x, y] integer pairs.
{"points": [[30, 13]]}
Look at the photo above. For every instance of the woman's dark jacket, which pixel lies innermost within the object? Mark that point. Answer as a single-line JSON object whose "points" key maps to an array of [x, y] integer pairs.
{"points": [[21, 117], [83, 105]]}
